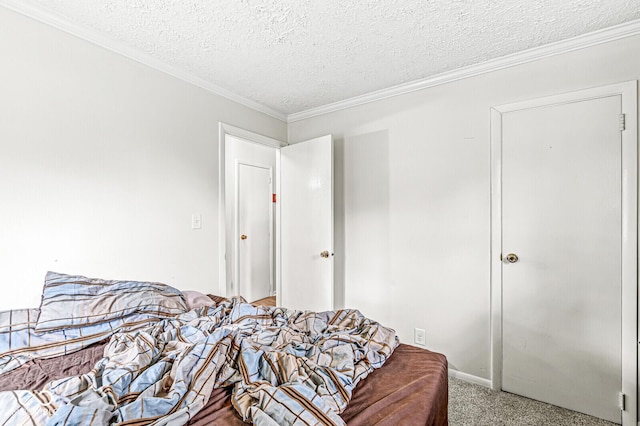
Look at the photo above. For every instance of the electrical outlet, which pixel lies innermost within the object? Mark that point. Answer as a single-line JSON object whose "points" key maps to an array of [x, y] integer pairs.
{"points": [[419, 336]]}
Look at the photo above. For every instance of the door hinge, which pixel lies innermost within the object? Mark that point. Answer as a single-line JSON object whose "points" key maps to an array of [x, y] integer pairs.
{"points": [[621, 401], [622, 122]]}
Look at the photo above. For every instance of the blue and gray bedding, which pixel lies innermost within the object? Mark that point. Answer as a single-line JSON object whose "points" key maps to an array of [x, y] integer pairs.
{"points": [[162, 360], [76, 312]]}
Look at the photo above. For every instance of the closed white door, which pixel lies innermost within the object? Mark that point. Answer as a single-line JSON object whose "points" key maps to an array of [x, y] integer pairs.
{"points": [[246, 153], [306, 203], [561, 248], [254, 231]]}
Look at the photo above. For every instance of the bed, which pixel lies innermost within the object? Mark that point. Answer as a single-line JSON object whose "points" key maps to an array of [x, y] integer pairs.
{"points": [[390, 384]]}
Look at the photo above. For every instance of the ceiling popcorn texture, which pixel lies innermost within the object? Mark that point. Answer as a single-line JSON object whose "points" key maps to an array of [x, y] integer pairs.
{"points": [[293, 55]]}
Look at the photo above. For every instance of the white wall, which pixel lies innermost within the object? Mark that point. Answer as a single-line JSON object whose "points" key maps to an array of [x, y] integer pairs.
{"points": [[102, 162], [413, 190]]}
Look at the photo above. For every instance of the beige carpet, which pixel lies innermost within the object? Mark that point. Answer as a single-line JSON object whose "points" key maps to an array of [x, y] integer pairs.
{"points": [[476, 405]]}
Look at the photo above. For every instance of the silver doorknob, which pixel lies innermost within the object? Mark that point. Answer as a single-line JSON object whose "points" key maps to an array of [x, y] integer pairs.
{"points": [[512, 258], [325, 254]]}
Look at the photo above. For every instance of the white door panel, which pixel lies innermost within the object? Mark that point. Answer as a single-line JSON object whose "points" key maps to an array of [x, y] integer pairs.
{"points": [[306, 203], [239, 156], [253, 234], [561, 215]]}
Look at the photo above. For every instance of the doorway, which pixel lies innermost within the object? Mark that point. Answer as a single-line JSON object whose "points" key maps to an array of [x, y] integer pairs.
{"points": [[253, 230], [564, 250], [303, 211], [248, 179]]}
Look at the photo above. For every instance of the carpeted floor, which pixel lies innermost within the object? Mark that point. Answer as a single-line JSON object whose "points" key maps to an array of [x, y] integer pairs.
{"points": [[471, 404]]}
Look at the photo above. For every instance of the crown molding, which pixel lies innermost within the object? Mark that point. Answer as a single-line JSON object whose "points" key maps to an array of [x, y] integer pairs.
{"points": [[135, 54], [616, 32]]}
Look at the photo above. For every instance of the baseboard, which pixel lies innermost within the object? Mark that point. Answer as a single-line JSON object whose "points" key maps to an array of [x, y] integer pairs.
{"points": [[471, 378]]}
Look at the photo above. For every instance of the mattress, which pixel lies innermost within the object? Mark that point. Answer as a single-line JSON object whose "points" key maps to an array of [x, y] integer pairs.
{"points": [[410, 389]]}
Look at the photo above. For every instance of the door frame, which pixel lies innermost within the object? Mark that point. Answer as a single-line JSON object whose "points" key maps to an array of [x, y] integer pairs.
{"points": [[225, 130], [630, 298], [236, 219]]}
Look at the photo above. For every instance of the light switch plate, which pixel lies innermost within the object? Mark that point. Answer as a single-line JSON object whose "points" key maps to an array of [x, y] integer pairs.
{"points": [[196, 221]]}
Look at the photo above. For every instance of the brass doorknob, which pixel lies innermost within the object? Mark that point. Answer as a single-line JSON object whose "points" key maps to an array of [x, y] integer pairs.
{"points": [[325, 254], [243, 237], [512, 258]]}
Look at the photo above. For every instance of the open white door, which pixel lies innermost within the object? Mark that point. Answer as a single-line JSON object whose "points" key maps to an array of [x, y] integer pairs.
{"points": [[306, 208]]}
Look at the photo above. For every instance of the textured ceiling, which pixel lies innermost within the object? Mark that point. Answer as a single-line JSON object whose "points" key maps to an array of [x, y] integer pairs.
{"points": [[293, 55]]}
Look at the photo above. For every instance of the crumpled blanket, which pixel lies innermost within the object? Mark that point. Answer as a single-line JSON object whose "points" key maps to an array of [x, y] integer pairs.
{"points": [[287, 367]]}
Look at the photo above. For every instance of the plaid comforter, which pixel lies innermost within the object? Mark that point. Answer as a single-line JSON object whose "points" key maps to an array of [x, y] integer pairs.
{"points": [[21, 343], [76, 311], [287, 367]]}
